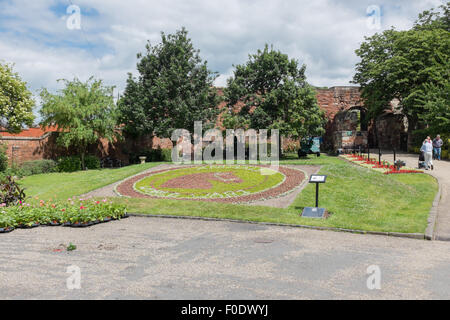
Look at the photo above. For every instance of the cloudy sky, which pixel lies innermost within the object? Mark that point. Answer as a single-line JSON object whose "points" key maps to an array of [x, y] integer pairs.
{"points": [[323, 34]]}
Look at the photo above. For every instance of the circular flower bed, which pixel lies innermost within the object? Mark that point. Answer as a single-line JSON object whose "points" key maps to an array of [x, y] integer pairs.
{"points": [[221, 183]]}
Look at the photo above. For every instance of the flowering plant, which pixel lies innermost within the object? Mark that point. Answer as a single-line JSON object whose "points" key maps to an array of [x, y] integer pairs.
{"points": [[73, 212]]}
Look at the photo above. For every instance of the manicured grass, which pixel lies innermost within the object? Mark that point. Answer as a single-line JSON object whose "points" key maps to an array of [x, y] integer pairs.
{"points": [[252, 181], [358, 198], [60, 186]]}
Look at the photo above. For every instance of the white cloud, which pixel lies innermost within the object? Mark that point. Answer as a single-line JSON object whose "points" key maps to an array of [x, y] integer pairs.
{"points": [[323, 34]]}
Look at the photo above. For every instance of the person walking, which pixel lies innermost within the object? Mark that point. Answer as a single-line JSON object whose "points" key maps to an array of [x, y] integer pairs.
{"points": [[427, 148], [437, 146]]}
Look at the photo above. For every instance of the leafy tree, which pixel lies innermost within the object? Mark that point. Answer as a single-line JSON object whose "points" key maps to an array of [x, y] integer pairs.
{"points": [[431, 19], [435, 98], [405, 65], [174, 89], [83, 113], [16, 103], [272, 93]]}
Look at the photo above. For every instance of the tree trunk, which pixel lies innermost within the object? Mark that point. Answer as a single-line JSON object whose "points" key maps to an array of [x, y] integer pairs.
{"points": [[82, 155]]}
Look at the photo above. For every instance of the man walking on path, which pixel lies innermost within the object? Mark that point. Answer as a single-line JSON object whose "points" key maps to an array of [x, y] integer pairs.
{"points": [[437, 145], [427, 148]]}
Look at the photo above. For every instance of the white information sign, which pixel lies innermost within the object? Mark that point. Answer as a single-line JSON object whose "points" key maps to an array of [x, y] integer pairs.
{"points": [[317, 178]]}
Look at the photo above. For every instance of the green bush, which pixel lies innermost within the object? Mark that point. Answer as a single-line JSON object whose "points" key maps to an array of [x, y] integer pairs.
{"points": [[92, 162], [13, 171], [153, 155], [3, 158], [69, 164], [29, 168], [166, 155], [73, 163]]}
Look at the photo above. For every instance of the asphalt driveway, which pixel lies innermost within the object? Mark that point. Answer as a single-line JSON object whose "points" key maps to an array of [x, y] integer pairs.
{"points": [[161, 258]]}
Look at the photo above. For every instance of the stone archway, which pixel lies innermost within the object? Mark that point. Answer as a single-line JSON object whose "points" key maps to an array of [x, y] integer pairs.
{"points": [[350, 129]]}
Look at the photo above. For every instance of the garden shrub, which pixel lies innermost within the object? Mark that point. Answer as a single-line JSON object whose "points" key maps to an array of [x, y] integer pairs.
{"points": [[69, 164], [153, 155], [29, 168], [166, 155], [13, 171], [92, 162], [73, 163]]}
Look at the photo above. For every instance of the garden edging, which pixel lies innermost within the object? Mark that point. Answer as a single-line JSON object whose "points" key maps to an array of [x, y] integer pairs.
{"points": [[429, 232], [382, 233]]}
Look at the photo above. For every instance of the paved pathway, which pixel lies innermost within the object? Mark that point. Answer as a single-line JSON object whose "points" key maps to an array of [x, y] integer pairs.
{"points": [[161, 258], [442, 173]]}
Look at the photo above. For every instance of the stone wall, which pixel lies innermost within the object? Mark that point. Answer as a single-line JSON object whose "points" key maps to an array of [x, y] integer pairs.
{"points": [[391, 131], [341, 127], [350, 139]]}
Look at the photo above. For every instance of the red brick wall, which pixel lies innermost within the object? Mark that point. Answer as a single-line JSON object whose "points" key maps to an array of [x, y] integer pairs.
{"points": [[333, 101], [21, 149]]}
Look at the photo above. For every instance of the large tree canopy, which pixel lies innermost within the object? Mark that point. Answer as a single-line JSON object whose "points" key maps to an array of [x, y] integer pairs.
{"points": [[83, 113], [174, 89], [411, 66], [16, 103], [274, 95]]}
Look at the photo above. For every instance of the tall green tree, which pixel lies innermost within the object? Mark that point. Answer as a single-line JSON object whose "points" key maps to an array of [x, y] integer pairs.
{"points": [[405, 65], [272, 93], [434, 19], [174, 88], [84, 112], [16, 103], [435, 99]]}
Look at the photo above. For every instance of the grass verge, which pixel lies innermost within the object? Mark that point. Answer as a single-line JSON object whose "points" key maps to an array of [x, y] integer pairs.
{"points": [[60, 186]]}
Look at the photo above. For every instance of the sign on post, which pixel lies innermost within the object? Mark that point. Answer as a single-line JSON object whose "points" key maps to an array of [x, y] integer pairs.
{"points": [[315, 212]]}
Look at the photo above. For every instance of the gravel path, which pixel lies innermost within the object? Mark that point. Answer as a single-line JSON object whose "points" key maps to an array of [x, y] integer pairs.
{"points": [[108, 191]]}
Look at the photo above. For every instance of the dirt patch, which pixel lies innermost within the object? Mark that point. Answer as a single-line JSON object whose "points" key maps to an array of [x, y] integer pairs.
{"points": [[200, 180]]}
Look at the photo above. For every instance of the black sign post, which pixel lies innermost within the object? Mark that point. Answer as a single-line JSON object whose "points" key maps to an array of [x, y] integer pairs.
{"points": [[315, 212]]}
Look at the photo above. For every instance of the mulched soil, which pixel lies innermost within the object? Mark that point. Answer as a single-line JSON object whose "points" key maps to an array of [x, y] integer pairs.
{"points": [[293, 179], [200, 180]]}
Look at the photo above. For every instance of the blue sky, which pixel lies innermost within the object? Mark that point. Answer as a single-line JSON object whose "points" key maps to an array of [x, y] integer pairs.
{"points": [[323, 34]]}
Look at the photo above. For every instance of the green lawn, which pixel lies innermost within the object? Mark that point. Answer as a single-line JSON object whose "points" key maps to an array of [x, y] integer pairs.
{"points": [[358, 198], [60, 186]]}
